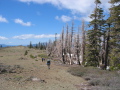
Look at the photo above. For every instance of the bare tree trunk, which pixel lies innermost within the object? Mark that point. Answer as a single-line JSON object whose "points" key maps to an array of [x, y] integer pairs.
{"points": [[62, 41], [71, 42], [78, 47], [83, 43], [66, 42], [49, 48]]}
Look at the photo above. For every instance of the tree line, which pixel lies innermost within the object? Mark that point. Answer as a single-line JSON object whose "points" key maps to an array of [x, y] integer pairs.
{"points": [[97, 45], [40, 45]]}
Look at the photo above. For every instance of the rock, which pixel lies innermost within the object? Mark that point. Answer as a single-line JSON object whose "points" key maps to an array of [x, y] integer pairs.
{"points": [[35, 79]]}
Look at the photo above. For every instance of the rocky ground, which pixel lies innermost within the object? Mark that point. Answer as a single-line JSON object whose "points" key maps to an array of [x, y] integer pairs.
{"points": [[21, 72]]}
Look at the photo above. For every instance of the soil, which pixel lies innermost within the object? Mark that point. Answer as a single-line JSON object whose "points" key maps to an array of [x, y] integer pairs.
{"points": [[35, 74]]}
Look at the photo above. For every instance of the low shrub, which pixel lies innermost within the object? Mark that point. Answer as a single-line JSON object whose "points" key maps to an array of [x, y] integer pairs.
{"points": [[94, 82], [36, 60], [31, 56], [10, 69], [77, 71], [26, 52], [100, 79], [113, 68]]}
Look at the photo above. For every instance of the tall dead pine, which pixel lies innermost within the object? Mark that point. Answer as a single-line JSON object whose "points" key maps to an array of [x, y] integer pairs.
{"points": [[83, 43]]}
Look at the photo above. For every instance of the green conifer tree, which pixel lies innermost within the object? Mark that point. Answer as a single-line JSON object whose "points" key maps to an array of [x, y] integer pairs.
{"points": [[93, 45], [114, 20], [30, 46]]}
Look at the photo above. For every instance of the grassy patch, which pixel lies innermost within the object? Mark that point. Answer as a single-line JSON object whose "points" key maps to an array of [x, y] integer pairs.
{"points": [[100, 79], [43, 56], [31, 56]]}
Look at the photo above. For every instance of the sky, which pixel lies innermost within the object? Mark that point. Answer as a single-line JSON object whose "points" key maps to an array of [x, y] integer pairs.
{"points": [[22, 21]]}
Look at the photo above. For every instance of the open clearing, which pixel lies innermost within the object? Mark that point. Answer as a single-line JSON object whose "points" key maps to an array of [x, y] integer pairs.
{"points": [[33, 73]]}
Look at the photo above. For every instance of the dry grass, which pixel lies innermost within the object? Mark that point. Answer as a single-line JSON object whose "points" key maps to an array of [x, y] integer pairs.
{"points": [[57, 78]]}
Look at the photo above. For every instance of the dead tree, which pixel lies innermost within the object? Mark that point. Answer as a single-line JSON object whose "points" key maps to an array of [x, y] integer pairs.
{"points": [[50, 48], [71, 43], [83, 43], [77, 47], [62, 43], [66, 43]]}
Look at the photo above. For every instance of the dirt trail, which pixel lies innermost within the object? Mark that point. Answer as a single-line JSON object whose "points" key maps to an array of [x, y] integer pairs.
{"points": [[57, 78]]}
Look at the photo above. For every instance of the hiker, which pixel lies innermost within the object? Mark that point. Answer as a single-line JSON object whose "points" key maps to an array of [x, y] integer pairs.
{"points": [[42, 59], [48, 64]]}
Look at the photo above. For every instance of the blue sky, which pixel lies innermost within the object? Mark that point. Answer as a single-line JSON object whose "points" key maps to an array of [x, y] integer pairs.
{"points": [[22, 21]]}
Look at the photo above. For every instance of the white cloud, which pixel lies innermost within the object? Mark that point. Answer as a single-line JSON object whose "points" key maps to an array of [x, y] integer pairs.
{"points": [[2, 19], [88, 19], [3, 38], [85, 18], [76, 18], [28, 36], [20, 21], [25, 36], [74, 5], [63, 18], [67, 18], [82, 6]]}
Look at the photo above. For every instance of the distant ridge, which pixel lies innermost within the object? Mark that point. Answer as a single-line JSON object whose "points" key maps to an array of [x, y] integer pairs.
{"points": [[4, 45]]}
